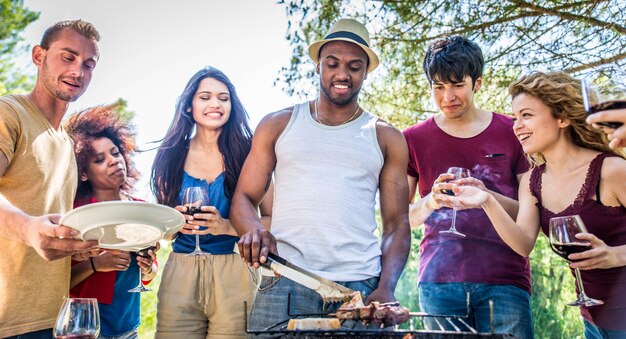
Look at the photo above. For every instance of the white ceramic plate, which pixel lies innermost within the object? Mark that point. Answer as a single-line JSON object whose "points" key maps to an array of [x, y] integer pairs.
{"points": [[124, 225]]}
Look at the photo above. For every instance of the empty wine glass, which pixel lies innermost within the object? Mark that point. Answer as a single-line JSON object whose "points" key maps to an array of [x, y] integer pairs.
{"points": [[604, 89], [79, 318], [563, 241], [194, 198], [142, 253], [458, 173]]}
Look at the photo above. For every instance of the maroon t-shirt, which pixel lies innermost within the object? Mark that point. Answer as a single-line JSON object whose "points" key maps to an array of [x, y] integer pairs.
{"points": [[605, 222], [494, 156]]}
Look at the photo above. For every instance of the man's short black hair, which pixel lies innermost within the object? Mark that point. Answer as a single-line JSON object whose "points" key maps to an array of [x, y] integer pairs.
{"points": [[451, 59]]}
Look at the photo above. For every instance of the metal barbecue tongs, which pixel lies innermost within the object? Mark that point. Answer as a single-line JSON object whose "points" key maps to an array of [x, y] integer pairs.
{"points": [[329, 290]]}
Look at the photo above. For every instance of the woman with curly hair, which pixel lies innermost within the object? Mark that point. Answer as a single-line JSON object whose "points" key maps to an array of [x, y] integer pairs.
{"points": [[206, 145], [574, 171], [103, 144]]}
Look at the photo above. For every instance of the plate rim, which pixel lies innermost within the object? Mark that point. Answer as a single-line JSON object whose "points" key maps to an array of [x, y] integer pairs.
{"points": [[163, 229]]}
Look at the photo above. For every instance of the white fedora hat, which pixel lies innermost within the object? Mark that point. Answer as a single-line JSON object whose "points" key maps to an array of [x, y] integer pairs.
{"points": [[347, 30]]}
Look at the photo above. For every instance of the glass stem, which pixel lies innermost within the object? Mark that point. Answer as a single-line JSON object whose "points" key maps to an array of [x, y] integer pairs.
{"points": [[453, 226], [197, 242], [139, 275], [579, 282]]}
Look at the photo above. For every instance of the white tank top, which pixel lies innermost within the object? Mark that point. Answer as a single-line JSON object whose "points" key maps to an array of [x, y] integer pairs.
{"points": [[326, 179]]}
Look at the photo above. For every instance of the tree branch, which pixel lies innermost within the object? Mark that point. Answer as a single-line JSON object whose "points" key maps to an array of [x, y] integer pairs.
{"points": [[596, 63], [570, 16]]}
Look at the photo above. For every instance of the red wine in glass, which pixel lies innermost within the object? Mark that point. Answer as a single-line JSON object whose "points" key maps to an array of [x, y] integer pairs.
{"points": [[604, 89], [563, 242], [564, 250], [194, 198], [448, 192], [145, 254], [193, 210], [605, 106]]}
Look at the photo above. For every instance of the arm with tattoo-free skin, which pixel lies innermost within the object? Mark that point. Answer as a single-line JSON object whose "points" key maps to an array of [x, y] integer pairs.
{"points": [[42, 233], [114, 260], [613, 193], [511, 206], [212, 220], [421, 210], [394, 192], [254, 181], [520, 235]]}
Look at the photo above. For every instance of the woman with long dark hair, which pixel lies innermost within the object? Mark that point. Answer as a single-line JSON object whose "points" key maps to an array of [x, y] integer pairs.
{"points": [[206, 145]]}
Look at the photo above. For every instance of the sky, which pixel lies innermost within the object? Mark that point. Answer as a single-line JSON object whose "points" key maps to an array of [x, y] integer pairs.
{"points": [[150, 49]]}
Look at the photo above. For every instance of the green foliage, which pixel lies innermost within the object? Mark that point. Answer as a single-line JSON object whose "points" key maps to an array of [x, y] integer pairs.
{"points": [[14, 19], [122, 110], [149, 299], [516, 36], [553, 287]]}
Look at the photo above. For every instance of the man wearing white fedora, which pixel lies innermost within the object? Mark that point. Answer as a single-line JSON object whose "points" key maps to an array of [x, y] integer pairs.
{"points": [[328, 157]]}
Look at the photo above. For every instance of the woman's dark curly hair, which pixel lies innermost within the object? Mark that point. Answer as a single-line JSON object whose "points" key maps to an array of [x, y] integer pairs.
{"points": [[101, 122]]}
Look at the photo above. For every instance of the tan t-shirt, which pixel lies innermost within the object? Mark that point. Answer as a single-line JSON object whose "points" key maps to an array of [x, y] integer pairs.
{"points": [[41, 178]]}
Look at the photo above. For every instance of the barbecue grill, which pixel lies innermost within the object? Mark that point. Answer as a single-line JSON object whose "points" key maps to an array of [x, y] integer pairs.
{"points": [[460, 325]]}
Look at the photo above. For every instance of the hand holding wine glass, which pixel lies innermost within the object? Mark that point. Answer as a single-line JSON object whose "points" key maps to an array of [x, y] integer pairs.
{"points": [[617, 137], [605, 89], [78, 318], [147, 252], [603, 256], [193, 199], [564, 242], [457, 173], [146, 257]]}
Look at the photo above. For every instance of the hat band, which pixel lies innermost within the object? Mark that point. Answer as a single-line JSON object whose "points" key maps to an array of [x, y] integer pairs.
{"points": [[349, 35]]}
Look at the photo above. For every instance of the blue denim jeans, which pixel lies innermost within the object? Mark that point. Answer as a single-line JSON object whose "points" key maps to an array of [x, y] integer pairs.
{"points": [[594, 332], [43, 334], [270, 304], [511, 307], [132, 334]]}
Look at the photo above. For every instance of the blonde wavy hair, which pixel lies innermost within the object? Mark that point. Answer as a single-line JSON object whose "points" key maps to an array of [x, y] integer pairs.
{"points": [[562, 93]]}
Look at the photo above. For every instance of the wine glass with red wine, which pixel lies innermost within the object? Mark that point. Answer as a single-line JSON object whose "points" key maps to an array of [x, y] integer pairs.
{"points": [[194, 198], [458, 173], [142, 253], [79, 318], [604, 89], [563, 241]]}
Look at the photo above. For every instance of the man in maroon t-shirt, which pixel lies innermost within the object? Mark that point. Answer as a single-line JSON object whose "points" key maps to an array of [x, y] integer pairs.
{"points": [[476, 265]]}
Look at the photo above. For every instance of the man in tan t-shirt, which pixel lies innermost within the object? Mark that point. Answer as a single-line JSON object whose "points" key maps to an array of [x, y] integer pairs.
{"points": [[38, 179]]}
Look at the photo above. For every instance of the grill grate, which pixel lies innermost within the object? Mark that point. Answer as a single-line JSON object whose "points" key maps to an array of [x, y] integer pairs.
{"points": [[449, 326]]}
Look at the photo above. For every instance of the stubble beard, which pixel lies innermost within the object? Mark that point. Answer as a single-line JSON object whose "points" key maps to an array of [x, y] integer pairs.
{"points": [[339, 101], [49, 82]]}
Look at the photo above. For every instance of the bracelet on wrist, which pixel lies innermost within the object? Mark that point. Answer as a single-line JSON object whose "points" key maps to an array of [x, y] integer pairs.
{"points": [[93, 267]]}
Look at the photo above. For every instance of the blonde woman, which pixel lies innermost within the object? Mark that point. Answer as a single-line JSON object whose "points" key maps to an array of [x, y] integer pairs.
{"points": [[573, 172]]}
